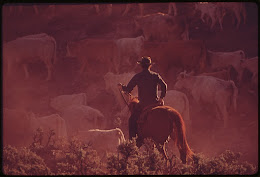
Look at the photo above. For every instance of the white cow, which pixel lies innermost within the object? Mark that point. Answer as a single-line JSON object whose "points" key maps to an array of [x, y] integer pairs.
{"points": [[213, 12], [129, 6], [235, 8], [221, 60], [13, 8], [223, 74], [52, 122], [17, 129], [179, 101], [111, 81], [62, 102], [252, 65], [27, 49], [129, 48], [162, 27], [102, 141], [109, 9], [81, 117], [172, 6], [222, 95]]}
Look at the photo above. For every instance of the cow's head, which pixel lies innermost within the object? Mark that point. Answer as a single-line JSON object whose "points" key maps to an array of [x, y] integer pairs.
{"points": [[183, 80], [182, 75]]}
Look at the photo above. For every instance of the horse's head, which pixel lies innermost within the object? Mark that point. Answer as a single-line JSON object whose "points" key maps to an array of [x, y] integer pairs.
{"points": [[133, 104]]}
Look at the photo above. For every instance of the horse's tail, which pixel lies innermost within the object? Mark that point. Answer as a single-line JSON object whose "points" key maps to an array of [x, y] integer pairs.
{"points": [[180, 136]]}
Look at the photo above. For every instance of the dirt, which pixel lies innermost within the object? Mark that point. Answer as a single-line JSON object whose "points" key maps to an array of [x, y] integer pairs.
{"points": [[72, 23]]}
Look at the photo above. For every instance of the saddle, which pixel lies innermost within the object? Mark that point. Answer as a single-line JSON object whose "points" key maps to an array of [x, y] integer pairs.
{"points": [[143, 116]]}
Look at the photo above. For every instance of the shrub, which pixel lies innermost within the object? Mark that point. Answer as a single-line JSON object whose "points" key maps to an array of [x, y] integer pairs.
{"points": [[23, 162], [60, 157], [130, 161], [225, 164], [79, 159]]}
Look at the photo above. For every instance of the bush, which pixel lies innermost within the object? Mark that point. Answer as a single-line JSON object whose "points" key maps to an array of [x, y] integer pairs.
{"points": [[23, 162], [79, 159], [225, 164], [60, 157], [130, 161]]}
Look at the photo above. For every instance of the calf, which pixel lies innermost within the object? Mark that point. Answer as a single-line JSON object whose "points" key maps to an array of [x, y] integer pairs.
{"points": [[129, 48]]}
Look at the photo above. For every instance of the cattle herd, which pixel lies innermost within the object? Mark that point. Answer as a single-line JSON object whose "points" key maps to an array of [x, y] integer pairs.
{"points": [[203, 82]]}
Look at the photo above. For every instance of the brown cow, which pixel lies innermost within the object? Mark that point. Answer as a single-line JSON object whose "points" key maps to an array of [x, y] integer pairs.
{"points": [[100, 54], [28, 49], [189, 55], [162, 27]]}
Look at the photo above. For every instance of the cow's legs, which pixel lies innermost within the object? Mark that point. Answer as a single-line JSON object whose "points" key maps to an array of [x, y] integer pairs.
{"points": [[202, 17], [35, 9], [237, 14], [222, 111], [49, 73], [243, 11], [49, 68], [26, 71], [220, 21], [109, 9], [97, 8], [172, 6], [127, 8], [141, 8], [213, 22]]}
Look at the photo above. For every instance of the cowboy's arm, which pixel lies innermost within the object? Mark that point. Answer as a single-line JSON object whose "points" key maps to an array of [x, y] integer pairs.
{"points": [[163, 86], [130, 86]]}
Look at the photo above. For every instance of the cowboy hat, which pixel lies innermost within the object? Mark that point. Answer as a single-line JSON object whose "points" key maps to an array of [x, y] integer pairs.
{"points": [[145, 61]]}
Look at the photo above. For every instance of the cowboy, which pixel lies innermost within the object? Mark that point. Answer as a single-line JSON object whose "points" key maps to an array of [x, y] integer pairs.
{"points": [[147, 82]]}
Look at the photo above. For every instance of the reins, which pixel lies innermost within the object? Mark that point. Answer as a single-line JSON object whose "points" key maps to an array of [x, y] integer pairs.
{"points": [[121, 92]]}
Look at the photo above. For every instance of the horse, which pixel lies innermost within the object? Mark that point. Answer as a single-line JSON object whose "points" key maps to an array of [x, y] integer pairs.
{"points": [[159, 123]]}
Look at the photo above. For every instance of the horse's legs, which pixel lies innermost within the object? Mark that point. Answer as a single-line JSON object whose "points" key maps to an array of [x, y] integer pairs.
{"points": [[161, 149], [182, 155]]}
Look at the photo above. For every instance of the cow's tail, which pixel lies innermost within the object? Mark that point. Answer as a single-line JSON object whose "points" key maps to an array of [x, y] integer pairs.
{"points": [[54, 57], [203, 57], [121, 136], [234, 95]]}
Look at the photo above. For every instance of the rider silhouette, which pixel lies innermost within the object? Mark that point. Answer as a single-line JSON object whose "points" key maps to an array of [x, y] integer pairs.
{"points": [[147, 83]]}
